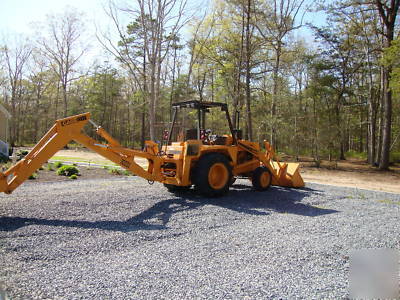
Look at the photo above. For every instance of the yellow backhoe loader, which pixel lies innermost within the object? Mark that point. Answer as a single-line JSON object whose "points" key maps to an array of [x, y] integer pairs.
{"points": [[210, 163]]}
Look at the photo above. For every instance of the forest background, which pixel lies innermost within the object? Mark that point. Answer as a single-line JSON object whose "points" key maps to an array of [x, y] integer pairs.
{"points": [[327, 89]]}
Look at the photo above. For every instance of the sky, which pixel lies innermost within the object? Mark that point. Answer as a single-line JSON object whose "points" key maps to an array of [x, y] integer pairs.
{"points": [[17, 17]]}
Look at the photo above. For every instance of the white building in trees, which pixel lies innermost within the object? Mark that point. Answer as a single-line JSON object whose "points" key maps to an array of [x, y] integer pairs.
{"points": [[5, 116]]}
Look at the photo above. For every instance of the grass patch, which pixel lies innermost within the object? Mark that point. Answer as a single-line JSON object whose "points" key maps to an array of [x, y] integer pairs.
{"points": [[73, 177], [83, 160], [388, 201], [355, 154], [6, 165], [104, 163], [126, 173], [74, 159], [361, 196], [115, 171]]}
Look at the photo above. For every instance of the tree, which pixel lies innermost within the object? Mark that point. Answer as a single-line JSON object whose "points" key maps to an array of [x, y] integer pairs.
{"points": [[388, 10], [145, 43], [16, 59], [40, 80], [392, 58], [275, 19], [62, 47], [341, 61]]}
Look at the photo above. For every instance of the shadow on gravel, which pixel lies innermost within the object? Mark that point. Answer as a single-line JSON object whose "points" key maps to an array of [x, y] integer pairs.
{"points": [[241, 199]]}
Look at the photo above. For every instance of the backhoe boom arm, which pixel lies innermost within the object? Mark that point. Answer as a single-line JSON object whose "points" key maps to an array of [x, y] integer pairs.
{"points": [[65, 130]]}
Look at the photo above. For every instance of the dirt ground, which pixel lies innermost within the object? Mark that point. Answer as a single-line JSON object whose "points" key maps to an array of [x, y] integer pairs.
{"points": [[349, 173], [370, 180]]}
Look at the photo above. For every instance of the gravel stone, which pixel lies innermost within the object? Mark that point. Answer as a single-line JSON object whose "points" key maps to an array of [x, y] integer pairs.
{"points": [[124, 239]]}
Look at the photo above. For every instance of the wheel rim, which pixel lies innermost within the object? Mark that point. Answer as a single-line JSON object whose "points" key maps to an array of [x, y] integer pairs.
{"points": [[218, 176], [265, 179]]}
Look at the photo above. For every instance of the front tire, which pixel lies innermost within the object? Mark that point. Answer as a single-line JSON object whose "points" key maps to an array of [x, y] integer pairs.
{"points": [[261, 179], [212, 175]]}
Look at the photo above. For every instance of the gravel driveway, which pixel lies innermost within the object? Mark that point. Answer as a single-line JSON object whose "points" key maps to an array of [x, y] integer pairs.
{"points": [[125, 239]]}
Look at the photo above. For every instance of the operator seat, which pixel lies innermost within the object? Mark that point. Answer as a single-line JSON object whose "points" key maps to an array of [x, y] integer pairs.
{"points": [[191, 134]]}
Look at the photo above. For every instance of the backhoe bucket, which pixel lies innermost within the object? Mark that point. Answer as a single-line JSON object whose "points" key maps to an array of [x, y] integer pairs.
{"points": [[287, 174]]}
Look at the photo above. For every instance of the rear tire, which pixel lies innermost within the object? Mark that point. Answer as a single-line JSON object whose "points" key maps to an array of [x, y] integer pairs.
{"points": [[261, 179], [176, 189], [212, 175]]}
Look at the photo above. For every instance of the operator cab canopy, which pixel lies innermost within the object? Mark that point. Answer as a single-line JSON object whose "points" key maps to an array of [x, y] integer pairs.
{"points": [[202, 107]]}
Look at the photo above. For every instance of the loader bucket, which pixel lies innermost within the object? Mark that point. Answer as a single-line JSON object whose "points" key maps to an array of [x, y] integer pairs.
{"points": [[283, 174], [287, 174]]}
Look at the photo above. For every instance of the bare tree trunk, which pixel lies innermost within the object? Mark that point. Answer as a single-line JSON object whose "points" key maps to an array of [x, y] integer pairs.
{"points": [[380, 128], [172, 85], [340, 134], [56, 105], [388, 11], [65, 100], [275, 78], [248, 69], [13, 123], [371, 125], [387, 122], [315, 143], [145, 95], [361, 132], [152, 104], [15, 62], [237, 86]]}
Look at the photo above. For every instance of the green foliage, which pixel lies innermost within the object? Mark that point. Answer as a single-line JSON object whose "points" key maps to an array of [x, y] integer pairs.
{"points": [[58, 164], [115, 171], [395, 157], [33, 176], [389, 201], [74, 177], [68, 171], [5, 166], [49, 167], [126, 173], [392, 58], [355, 154], [21, 154]]}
